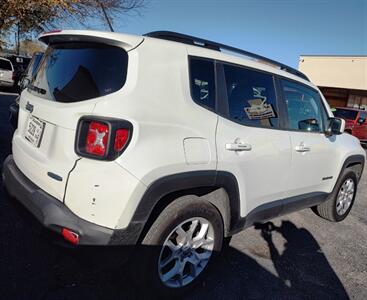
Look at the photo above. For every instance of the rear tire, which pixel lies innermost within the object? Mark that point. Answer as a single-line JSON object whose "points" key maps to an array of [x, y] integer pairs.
{"points": [[338, 205], [186, 237]]}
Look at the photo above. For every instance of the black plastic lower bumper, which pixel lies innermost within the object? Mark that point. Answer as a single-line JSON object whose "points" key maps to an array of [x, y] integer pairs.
{"points": [[13, 114], [54, 215]]}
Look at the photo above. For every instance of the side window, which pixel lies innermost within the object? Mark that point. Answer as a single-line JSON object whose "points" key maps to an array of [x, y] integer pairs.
{"points": [[305, 108], [202, 81], [362, 117], [251, 97]]}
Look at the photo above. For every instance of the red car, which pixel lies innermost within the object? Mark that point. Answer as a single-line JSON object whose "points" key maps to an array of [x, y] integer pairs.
{"points": [[355, 120]]}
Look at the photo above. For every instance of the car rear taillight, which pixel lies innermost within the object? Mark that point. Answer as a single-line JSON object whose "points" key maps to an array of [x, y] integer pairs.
{"points": [[97, 138], [121, 138], [102, 138], [13, 76]]}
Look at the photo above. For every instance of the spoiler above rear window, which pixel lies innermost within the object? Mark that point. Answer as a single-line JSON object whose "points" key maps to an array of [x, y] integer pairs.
{"points": [[127, 41]]}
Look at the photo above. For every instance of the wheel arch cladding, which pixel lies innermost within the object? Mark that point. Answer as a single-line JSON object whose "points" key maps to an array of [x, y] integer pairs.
{"points": [[217, 187], [356, 163]]}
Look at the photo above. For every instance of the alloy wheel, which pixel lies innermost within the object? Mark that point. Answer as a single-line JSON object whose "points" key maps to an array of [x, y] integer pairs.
{"points": [[345, 197], [186, 252]]}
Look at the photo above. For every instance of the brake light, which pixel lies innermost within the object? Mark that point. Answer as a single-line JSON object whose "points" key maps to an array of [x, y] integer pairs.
{"points": [[52, 31], [102, 138], [13, 76], [121, 138], [97, 139]]}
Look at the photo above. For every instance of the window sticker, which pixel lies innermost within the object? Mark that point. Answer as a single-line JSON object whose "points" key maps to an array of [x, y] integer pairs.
{"points": [[259, 110], [204, 88]]}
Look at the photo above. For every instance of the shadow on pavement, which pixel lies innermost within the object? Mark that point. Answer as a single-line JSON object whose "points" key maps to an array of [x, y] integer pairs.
{"points": [[32, 267]]}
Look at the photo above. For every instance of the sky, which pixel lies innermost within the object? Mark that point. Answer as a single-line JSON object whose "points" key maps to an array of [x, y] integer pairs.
{"points": [[279, 29]]}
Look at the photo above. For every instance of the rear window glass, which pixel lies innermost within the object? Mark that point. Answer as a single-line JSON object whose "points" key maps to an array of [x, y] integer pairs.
{"points": [[72, 72], [5, 65], [345, 114], [35, 63]]}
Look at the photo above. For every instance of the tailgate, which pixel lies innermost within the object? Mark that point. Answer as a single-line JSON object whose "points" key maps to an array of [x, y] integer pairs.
{"points": [[47, 160], [76, 72]]}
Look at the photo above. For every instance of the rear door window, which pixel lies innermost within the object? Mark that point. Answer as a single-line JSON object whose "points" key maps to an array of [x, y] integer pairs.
{"points": [[5, 65], [251, 97], [72, 72]]}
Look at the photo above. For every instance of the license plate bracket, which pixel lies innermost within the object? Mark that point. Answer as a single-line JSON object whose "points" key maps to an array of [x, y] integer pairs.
{"points": [[34, 131]]}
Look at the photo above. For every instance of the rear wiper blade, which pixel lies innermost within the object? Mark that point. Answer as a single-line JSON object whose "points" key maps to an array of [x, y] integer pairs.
{"points": [[37, 89]]}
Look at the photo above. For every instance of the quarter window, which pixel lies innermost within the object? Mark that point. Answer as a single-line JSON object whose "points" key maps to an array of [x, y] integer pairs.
{"points": [[202, 82], [305, 109], [251, 97]]}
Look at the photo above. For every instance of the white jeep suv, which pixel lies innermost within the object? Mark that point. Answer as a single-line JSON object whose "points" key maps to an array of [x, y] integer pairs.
{"points": [[171, 143]]}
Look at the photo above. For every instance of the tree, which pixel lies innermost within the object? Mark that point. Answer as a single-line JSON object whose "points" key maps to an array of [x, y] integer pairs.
{"points": [[39, 15], [26, 17], [29, 47]]}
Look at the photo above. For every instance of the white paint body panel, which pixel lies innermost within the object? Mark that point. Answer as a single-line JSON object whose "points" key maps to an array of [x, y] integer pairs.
{"points": [[263, 172], [103, 192]]}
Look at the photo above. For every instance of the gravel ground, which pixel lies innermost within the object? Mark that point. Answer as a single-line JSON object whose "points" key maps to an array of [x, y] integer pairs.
{"points": [[304, 257]]}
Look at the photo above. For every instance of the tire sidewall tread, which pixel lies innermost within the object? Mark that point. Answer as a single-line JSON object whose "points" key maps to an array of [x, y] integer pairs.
{"points": [[147, 254]]}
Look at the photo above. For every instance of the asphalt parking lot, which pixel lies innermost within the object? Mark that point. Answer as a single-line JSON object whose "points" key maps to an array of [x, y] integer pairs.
{"points": [[305, 257]]}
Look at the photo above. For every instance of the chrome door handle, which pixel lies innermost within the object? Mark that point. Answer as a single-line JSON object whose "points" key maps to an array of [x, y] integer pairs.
{"points": [[238, 147], [302, 148]]}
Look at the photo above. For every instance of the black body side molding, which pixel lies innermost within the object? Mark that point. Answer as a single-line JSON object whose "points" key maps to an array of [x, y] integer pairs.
{"points": [[220, 179]]}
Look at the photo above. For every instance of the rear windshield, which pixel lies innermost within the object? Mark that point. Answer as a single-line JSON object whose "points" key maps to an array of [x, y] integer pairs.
{"points": [[72, 72], [5, 65], [345, 114]]}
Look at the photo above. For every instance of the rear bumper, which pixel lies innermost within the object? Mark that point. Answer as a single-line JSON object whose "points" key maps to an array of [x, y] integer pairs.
{"points": [[6, 83], [54, 215], [14, 113]]}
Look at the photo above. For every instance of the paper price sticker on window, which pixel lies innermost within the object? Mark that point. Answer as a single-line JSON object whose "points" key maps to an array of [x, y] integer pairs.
{"points": [[259, 110]]}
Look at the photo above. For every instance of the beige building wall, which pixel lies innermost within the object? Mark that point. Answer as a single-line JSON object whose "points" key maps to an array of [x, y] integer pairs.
{"points": [[348, 72]]}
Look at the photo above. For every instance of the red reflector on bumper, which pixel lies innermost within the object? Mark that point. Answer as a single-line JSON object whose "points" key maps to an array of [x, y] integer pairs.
{"points": [[70, 236]]}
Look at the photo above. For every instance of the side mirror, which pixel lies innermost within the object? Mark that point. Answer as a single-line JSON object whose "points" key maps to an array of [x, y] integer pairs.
{"points": [[361, 120], [336, 126]]}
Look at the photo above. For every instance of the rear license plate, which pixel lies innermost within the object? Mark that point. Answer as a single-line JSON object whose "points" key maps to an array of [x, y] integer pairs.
{"points": [[34, 131]]}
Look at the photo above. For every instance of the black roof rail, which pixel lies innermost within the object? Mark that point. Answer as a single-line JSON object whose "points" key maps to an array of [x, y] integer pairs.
{"points": [[192, 40]]}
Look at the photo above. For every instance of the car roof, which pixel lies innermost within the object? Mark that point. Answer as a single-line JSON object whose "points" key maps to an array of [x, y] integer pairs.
{"points": [[133, 40]]}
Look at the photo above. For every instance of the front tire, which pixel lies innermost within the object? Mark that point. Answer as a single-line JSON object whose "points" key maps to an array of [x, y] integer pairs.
{"points": [[341, 200], [179, 248]]}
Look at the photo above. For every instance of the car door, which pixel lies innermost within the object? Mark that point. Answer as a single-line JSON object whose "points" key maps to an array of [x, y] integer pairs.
{"points": [[313, 152], [360, 127], [249, 142]]}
